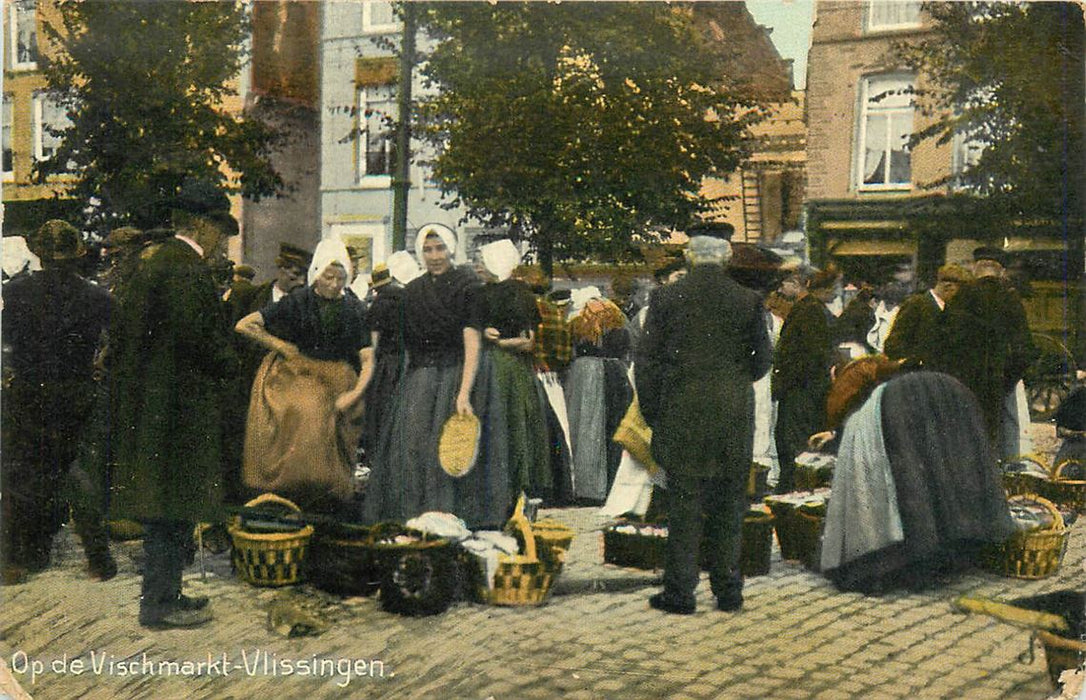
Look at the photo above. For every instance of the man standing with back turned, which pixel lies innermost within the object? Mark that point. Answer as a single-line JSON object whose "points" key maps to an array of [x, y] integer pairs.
{"points": [[173, 359], [704, 345]]}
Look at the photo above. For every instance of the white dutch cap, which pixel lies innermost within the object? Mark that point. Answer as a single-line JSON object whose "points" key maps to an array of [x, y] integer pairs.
{"points": [[17, 256], [500, 258], [402, 267], [360, 286], [329, 250], [580, 297], [444, 232]]}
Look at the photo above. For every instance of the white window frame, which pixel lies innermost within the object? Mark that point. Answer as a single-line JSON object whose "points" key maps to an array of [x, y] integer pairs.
{"points": [[8, 145], [39, 126], [369, 27], [377, 231], [861, 139], [13, 37], [366, 179], [873, 22]]}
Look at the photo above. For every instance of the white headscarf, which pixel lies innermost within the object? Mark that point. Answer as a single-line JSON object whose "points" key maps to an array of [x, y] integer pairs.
{"points": [[500, 258], [328, 251], [17, 256], [580, 297], [441, 230], [402, 267]]}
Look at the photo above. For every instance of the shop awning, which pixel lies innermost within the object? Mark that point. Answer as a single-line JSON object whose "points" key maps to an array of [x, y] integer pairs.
{"points": [[873, 247]]}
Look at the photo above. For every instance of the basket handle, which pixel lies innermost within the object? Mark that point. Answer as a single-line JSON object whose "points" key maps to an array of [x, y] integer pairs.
{"points": [[1057, 472], [272, 498], [1057, 518]]}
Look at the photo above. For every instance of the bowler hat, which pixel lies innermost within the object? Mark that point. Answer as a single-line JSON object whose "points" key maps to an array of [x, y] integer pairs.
{"points": [[244, 271], [380, 276], [57, 240], [293, 256], [713, 229], [988, 253]]}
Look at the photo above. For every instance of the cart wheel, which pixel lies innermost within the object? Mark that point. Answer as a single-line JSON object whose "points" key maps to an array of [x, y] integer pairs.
{"points": [[1049, 378], [418, 583]]}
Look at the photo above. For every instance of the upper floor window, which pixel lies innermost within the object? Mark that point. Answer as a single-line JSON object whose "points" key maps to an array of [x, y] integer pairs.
{"points": [[23, 22], [378, 17], [886, 121], [885, 15], [50, 119], [9, 158], [376, 115]]}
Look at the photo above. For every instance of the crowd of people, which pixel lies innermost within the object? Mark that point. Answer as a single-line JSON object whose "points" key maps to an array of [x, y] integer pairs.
{"points": [[167, 390]]}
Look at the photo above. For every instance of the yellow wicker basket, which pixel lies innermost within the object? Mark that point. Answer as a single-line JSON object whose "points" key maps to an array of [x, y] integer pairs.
{"points": [[1067, 492], [1031, 555], [273, 558], [522, 579], [552, 541], [1019, 483]]}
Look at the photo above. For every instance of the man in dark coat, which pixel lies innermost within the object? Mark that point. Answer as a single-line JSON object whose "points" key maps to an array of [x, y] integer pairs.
{"points": [[801, 373], [53, 323], [291, 264], [173, 356], [705, 344], [988, 343], [917, 333]]}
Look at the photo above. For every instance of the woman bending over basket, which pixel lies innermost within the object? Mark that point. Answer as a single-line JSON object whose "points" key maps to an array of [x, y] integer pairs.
{"points": [[305, 409], [914, 493]]}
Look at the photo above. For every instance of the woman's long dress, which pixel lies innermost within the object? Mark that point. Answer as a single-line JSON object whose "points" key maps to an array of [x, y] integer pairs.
{"points": [[385, 317], [914, 489], [295, 443], [598, 393], [516, 429], [407, 478]]}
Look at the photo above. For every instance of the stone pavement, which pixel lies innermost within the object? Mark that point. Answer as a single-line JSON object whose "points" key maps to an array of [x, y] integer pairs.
{"points": [[797, 637]]}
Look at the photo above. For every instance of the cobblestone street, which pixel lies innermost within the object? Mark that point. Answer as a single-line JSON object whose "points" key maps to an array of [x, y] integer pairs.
{"points": [[797, 637]]}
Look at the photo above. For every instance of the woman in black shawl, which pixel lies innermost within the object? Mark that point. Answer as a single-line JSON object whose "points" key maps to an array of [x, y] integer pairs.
{"points": [[442, 338]]}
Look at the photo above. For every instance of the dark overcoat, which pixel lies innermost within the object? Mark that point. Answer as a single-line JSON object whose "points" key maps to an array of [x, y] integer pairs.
{"points": [[705, 343], [173, 359], [988, 344], [917, 333]]}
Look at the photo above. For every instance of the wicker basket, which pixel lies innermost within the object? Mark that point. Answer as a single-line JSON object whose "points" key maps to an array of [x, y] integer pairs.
{"points": [[632, 549], [1061, 654], [342, 564], [757, 543], [1067, 492], [418, 577], [269, 559], [521, 579], [808, 527], [552, 541], [1031, 555], [1018, 483], [757, 482]]}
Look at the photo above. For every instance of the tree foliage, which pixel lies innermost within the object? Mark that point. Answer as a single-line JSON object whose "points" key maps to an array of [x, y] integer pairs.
{"points": [[144, 84], [1008, 77], [578, 125]]}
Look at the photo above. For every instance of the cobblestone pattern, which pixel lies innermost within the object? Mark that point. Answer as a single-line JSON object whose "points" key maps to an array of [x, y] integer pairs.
{"points": [[796, 637]]}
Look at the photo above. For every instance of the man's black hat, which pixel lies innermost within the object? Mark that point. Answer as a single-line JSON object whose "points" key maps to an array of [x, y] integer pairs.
{"points": [[293, 256], [713, 229], [989, 253]]}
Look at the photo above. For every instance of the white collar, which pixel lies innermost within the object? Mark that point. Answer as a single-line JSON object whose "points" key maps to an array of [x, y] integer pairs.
{"points": [[195, 246], [938, 300]]}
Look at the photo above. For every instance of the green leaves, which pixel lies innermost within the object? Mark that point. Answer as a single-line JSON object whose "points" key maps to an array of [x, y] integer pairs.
{"points": [[145, 84], [1008, 76], [580, 124]]}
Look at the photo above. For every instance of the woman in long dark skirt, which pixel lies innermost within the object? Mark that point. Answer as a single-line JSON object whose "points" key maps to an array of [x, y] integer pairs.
{"points": [[442, 338], [518, 438], [914, 491]]}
